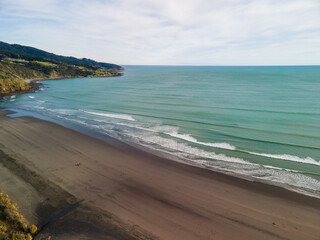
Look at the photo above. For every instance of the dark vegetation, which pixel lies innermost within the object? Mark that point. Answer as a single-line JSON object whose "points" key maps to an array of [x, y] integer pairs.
{"points": [[19, 63], [12, 223]]}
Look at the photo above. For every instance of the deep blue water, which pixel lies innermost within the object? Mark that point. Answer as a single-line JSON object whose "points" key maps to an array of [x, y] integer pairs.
{"points": [[262, 122]]}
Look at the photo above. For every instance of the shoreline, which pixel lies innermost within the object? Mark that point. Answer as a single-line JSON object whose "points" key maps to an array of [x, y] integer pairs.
{"points": [[35, 84], [145, 151], [134, 186]]}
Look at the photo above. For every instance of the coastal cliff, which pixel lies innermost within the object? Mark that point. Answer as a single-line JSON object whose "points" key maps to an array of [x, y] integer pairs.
{"points": [[20, 64]]}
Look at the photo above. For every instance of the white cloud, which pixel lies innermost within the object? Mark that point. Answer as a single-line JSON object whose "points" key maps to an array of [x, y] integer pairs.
{"points": [[234, 32]]}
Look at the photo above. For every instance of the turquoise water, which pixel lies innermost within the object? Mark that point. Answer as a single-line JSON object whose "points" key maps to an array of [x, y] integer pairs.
{"points": [[262, 122]]}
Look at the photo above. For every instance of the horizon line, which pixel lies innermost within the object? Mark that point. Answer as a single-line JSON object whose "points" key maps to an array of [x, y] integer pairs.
{"points": [[207, 65]]}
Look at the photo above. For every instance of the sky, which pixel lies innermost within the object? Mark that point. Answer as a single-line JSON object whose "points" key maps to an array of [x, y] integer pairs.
{"points": [[169, 32]]}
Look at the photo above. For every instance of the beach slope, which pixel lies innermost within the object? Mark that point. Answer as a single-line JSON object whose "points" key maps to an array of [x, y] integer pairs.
{"points": [[75, 186]]}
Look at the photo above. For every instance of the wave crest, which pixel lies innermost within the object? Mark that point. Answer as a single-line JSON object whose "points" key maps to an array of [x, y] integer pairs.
{"points": [[189, 138], [288, 157], [113, 115]]}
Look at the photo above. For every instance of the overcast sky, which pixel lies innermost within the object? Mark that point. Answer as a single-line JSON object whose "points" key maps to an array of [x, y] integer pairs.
{"points": [[169, 32]]}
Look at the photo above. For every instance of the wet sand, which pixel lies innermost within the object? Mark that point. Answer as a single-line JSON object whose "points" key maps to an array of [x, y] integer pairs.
{"points": [[79, 187]]}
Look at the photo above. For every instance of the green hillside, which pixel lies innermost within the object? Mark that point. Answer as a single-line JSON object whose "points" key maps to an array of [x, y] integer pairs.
{"points": [[19, 63]]}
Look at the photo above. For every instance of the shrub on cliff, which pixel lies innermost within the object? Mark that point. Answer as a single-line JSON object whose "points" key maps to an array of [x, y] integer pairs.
{"points": [[33, 229], [12, 223]]}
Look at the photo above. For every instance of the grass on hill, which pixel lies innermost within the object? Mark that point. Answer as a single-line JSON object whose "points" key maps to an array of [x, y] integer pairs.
{"points": [[14, 72], [19, 63]]}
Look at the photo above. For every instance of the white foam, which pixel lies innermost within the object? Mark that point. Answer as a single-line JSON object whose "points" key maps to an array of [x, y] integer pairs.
{"points": [[13, 96], [32, 97], [173, 132], [187, 150], [273, 167], [295, 179], [288, 157], [113, 115], [68, 112], [189, 138], [164, 129], [281, 169], [40, 101]]}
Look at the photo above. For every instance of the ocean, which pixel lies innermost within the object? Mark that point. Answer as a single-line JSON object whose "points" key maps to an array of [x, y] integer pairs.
{"points": [[260, 123]]}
